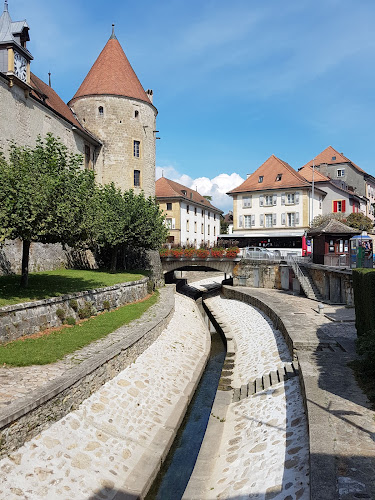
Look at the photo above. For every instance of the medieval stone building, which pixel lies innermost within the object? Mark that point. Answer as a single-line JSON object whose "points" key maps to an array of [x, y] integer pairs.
{"points": [[110, 120]]}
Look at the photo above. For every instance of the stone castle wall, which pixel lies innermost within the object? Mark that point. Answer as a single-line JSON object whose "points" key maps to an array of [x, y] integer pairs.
{"points": [[31, 317], [118, 127], [22, 119]]}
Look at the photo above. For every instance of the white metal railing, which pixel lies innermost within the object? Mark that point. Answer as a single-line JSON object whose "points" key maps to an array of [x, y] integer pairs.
{"points": [[340, 261], [294, 261]]}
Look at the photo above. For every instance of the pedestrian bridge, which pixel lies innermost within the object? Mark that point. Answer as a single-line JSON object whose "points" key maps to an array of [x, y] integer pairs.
{"points": [[224, 265]]}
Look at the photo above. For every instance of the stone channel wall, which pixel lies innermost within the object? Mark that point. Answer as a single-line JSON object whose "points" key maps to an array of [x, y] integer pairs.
{"points": [[31, 317], [24, 419]]}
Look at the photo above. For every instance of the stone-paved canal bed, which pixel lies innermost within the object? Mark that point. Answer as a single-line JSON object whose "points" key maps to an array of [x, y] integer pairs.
{"points": [[263, 451], [118, 435]]}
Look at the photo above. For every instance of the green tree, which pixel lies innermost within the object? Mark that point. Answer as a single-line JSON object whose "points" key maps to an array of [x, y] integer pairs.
{"points": [[359, 221], [320, 219], [43, 196], [109, 218]]}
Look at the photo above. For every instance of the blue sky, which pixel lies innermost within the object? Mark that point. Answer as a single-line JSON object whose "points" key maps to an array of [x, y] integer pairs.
{"points": [[234, 82]]}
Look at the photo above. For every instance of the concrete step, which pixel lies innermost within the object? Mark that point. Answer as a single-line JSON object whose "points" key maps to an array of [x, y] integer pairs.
{"points": [[266, 381]]}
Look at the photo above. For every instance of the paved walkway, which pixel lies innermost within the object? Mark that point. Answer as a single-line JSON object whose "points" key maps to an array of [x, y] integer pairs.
{"points": [[110, 444]]}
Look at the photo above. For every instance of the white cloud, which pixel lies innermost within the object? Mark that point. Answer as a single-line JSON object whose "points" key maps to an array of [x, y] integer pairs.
{"points": [[217, 187]]}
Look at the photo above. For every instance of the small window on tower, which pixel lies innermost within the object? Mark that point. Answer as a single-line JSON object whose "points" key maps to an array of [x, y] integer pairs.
{"points": [[137, 178], [101, 110], [136, 113], [136, 148]]}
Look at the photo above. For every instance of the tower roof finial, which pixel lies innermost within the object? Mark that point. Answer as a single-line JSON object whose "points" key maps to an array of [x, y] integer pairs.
{"points": [[113, 36], [6, 6]]}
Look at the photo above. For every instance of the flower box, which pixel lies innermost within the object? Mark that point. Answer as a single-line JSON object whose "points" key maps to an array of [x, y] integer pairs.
{"points": [[203, 253]]}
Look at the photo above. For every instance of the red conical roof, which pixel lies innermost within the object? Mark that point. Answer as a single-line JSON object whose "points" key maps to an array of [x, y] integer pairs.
{"points": [[112, 74]]}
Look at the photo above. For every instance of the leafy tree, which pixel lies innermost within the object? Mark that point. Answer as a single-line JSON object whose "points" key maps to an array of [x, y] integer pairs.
{"points": [[320, 219], [108, 214], [359, 221], [43, 196]]}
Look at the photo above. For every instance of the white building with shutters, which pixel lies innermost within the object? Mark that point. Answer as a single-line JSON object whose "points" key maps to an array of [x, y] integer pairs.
{"points": [[273, 203], [192, 220]]}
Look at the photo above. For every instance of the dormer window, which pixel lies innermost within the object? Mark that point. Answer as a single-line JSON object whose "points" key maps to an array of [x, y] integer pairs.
{"points": [[101, 110], [184, 192], [278, 177], [333, 158], [260, 178]]}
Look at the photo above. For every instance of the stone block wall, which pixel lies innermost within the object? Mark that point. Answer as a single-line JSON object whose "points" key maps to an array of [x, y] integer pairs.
{"points": [[43, 257], [334, 285], [257, 274], [31, 317], [26, 418]]}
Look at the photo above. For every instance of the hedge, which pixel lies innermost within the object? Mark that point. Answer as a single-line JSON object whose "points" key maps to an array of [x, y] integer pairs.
{"points": [[364, 300]]}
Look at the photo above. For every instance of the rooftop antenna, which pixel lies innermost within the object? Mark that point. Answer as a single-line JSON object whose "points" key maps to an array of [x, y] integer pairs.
{"points": [[162, 173], [113, 36], [49, 78]]}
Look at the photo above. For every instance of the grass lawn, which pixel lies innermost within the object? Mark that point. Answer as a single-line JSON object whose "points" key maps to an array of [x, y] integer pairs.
{"points": [[54, 346], [54, 283]]}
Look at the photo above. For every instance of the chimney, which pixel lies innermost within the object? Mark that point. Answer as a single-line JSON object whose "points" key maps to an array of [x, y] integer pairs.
{"points": [[150, 94]]}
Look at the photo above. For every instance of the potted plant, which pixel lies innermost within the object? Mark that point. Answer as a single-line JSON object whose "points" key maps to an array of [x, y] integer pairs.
{"points": [[232, 252], [164, 252], [177, 252], [217, 252], [203, 253]]}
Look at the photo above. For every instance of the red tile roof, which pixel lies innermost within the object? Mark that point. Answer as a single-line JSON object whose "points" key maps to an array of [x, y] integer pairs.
{"points": [[46, 95], [165, 188], [269, 171], [327, 156], [307, 173], [112, 74]]}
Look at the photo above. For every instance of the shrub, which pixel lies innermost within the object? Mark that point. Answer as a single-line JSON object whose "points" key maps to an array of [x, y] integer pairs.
{"points": [[70, 320], [73, 304], [106, 305], [232, 252], [364, 300], [87, 311], [177, 252], [217, 252], [60, 313], [164, 252]]}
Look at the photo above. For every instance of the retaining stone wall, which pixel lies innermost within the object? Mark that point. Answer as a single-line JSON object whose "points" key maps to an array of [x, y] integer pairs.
{"points": [[31, 317], [258, 274], [24, 419]]}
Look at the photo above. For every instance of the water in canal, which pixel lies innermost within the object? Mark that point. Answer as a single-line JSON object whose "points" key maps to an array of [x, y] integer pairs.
{"points": [[175, 473]]}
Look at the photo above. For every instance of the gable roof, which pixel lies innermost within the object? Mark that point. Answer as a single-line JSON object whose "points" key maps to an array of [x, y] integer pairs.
{"points": [[333, 226], [307, 173], [112, 74], [331, 157], [165, 188], [48, 97], [269, 170]]}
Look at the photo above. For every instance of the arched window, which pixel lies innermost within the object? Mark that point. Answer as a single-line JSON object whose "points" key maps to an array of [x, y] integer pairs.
{"points": [[101, 110], [136, 114]]}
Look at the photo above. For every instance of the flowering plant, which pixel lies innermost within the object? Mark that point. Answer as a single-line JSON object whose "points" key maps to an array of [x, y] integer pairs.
{"points": [[164, 252], [217, 252], [203, 253], [189, 252], [232, 252], [177, 252]]}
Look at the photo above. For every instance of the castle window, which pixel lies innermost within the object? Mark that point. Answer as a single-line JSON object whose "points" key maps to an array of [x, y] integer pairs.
{"points": [[136, 149], [169, 206], [101, 111], [137, 177], [87, 157], [136, 113]]}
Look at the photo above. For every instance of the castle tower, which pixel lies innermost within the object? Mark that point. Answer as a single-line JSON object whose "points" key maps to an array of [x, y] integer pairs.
{"points": [[112, 105]]}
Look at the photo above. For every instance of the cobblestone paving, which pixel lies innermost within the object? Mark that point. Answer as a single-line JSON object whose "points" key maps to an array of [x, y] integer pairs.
{"points": [[260, 348], [99, 445], [264, 452]]}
